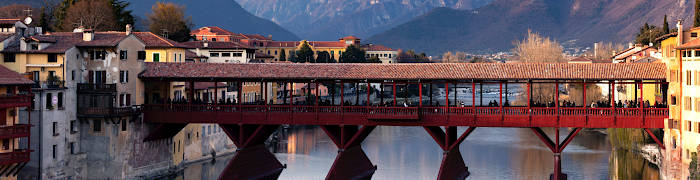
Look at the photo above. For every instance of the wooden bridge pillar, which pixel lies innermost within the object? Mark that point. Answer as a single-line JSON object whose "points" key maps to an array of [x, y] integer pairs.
{"points": [[351, 162], [452, 166], [252, 159], [556, 148]]}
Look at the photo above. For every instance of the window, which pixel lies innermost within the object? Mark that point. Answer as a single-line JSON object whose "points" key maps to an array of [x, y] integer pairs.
{"points": [[213, 54], [694, 34], [141, 55], [53, 57], [673, 100], [123, 76], [35, 46], [54, 127], [9, 57], [213, 39], [674, 75], [73, 127], [52, 73], [48, 101], [688, 77], [123, 55], [59, 104], [687, 103], [690, 126], [6, 144], [697, 53], [124, 125], [156, 57], [97, 77], [237, 54], [53, 151], [225, 54], [96, 125], [72, 147], [97, 55], [72, 75]]}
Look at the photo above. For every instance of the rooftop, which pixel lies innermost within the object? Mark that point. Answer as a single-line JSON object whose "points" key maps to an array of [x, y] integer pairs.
{"points": [[216, 45], [422, 71], [9, 77]]}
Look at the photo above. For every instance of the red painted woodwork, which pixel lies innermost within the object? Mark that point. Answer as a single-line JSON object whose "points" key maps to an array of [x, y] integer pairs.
{"points": [[16, 156], [351, 161], [10, 101], [252, 159], [15, 131], [408, 116], [452, 166], [556, 148]]}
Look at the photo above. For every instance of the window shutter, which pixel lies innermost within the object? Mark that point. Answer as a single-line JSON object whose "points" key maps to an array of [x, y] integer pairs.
{"points": [[121, 100], [91, 77], [104, 77], [121, 76], [127, 76], [128, 99]]}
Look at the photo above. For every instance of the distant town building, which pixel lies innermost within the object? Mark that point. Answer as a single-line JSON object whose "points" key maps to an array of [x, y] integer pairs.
{"points": [[266, 47], [221, 52], [635, 52]]}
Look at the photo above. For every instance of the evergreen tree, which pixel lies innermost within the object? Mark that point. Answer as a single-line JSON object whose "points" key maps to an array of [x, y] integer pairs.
{"points": [[283, 55], [374, 59], [323, 57], [647, 34], [665, 28], [44, 20], [305, 54], [121, 15], [696, 22], [353, 54]]}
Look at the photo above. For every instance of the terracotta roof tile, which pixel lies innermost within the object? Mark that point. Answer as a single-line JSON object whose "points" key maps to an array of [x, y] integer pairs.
{"points": [[376, 47], [9, 77], [154, 41], [441, 71], [213, 29]]}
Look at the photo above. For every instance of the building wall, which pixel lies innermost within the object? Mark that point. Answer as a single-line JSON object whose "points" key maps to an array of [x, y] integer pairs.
{"points": [[166, 54], [221, 59], [385, 56]]}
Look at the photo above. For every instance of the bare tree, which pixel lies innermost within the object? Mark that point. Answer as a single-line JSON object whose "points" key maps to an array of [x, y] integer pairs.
{"points": [[605, 50], [456, 57], [168, 19], [93, 14], [537, 49]]}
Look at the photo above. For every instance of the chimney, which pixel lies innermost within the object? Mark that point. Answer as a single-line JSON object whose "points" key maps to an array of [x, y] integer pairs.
{"points": [[128, 29], [630, 45], [679, 25], [205, 44], [595, 50], [269, 36], [88, 35]]}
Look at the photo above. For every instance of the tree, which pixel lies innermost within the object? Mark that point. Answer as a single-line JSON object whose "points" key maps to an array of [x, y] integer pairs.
{"points": [[410, 56], [169, 20], [374, 59], [666, 28], [647, 34], [456, 57], [535, 48], [283, 55], [323, 57], [696, 23], [121, 15], [605, 51], [14, 11], [353, 54], [305, 54], [92, 14], [479, 59]]}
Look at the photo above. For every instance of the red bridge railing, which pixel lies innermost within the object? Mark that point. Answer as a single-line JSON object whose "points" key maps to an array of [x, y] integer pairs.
{"points": [[414, 111]]}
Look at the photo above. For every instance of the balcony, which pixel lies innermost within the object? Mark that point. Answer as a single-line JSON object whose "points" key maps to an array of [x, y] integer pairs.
{"points": [[15, 100], [48, 85], [97, 88], [15, 131], [107, 112], [17, 156]]}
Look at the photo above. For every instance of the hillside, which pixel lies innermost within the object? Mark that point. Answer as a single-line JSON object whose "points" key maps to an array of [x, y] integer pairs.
{"points": [[330, 19], [223, 13], [226, 14], [496, 26]]}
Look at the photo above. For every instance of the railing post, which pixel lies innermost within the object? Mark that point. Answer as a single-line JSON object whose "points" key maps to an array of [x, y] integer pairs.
{"points": [[420, 94], [556, 99], [585, 108], [394, 89], [641, 101], [368, 93], [612, 98]]}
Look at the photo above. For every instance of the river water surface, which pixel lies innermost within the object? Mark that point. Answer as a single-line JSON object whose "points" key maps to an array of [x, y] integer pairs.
{"points": [[410, 153]]}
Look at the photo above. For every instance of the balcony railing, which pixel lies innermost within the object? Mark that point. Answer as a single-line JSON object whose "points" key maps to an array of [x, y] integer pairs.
{"points": [[16, 100], [15, 131], [17, 156], [96, 88], [99, 112], [48, 84]]}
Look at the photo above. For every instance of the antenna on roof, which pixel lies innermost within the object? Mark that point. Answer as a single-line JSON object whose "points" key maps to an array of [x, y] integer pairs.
{"points": [[164, 33], [28, 12]]}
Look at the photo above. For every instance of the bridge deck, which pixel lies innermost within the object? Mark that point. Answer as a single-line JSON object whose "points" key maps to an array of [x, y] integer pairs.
{"points": [[409, 116]]}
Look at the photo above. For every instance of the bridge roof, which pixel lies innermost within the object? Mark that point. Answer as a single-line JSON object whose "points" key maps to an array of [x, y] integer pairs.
{"points": [[422, 71]]}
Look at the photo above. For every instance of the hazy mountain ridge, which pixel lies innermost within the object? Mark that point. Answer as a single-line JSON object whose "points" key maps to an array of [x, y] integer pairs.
{"points": [[330, 19], [496, 26], [223, 13]]}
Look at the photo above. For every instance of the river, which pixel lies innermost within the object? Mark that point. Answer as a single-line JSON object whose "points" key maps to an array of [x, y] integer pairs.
{"points": [[410, 153]]}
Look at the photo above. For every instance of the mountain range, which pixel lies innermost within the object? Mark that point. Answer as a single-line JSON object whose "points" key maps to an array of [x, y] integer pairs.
{"points": [[496, 26], [331, 19]]}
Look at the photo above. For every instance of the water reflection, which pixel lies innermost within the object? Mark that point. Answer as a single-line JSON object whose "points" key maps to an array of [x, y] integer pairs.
{"points": [[410, 153]]}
